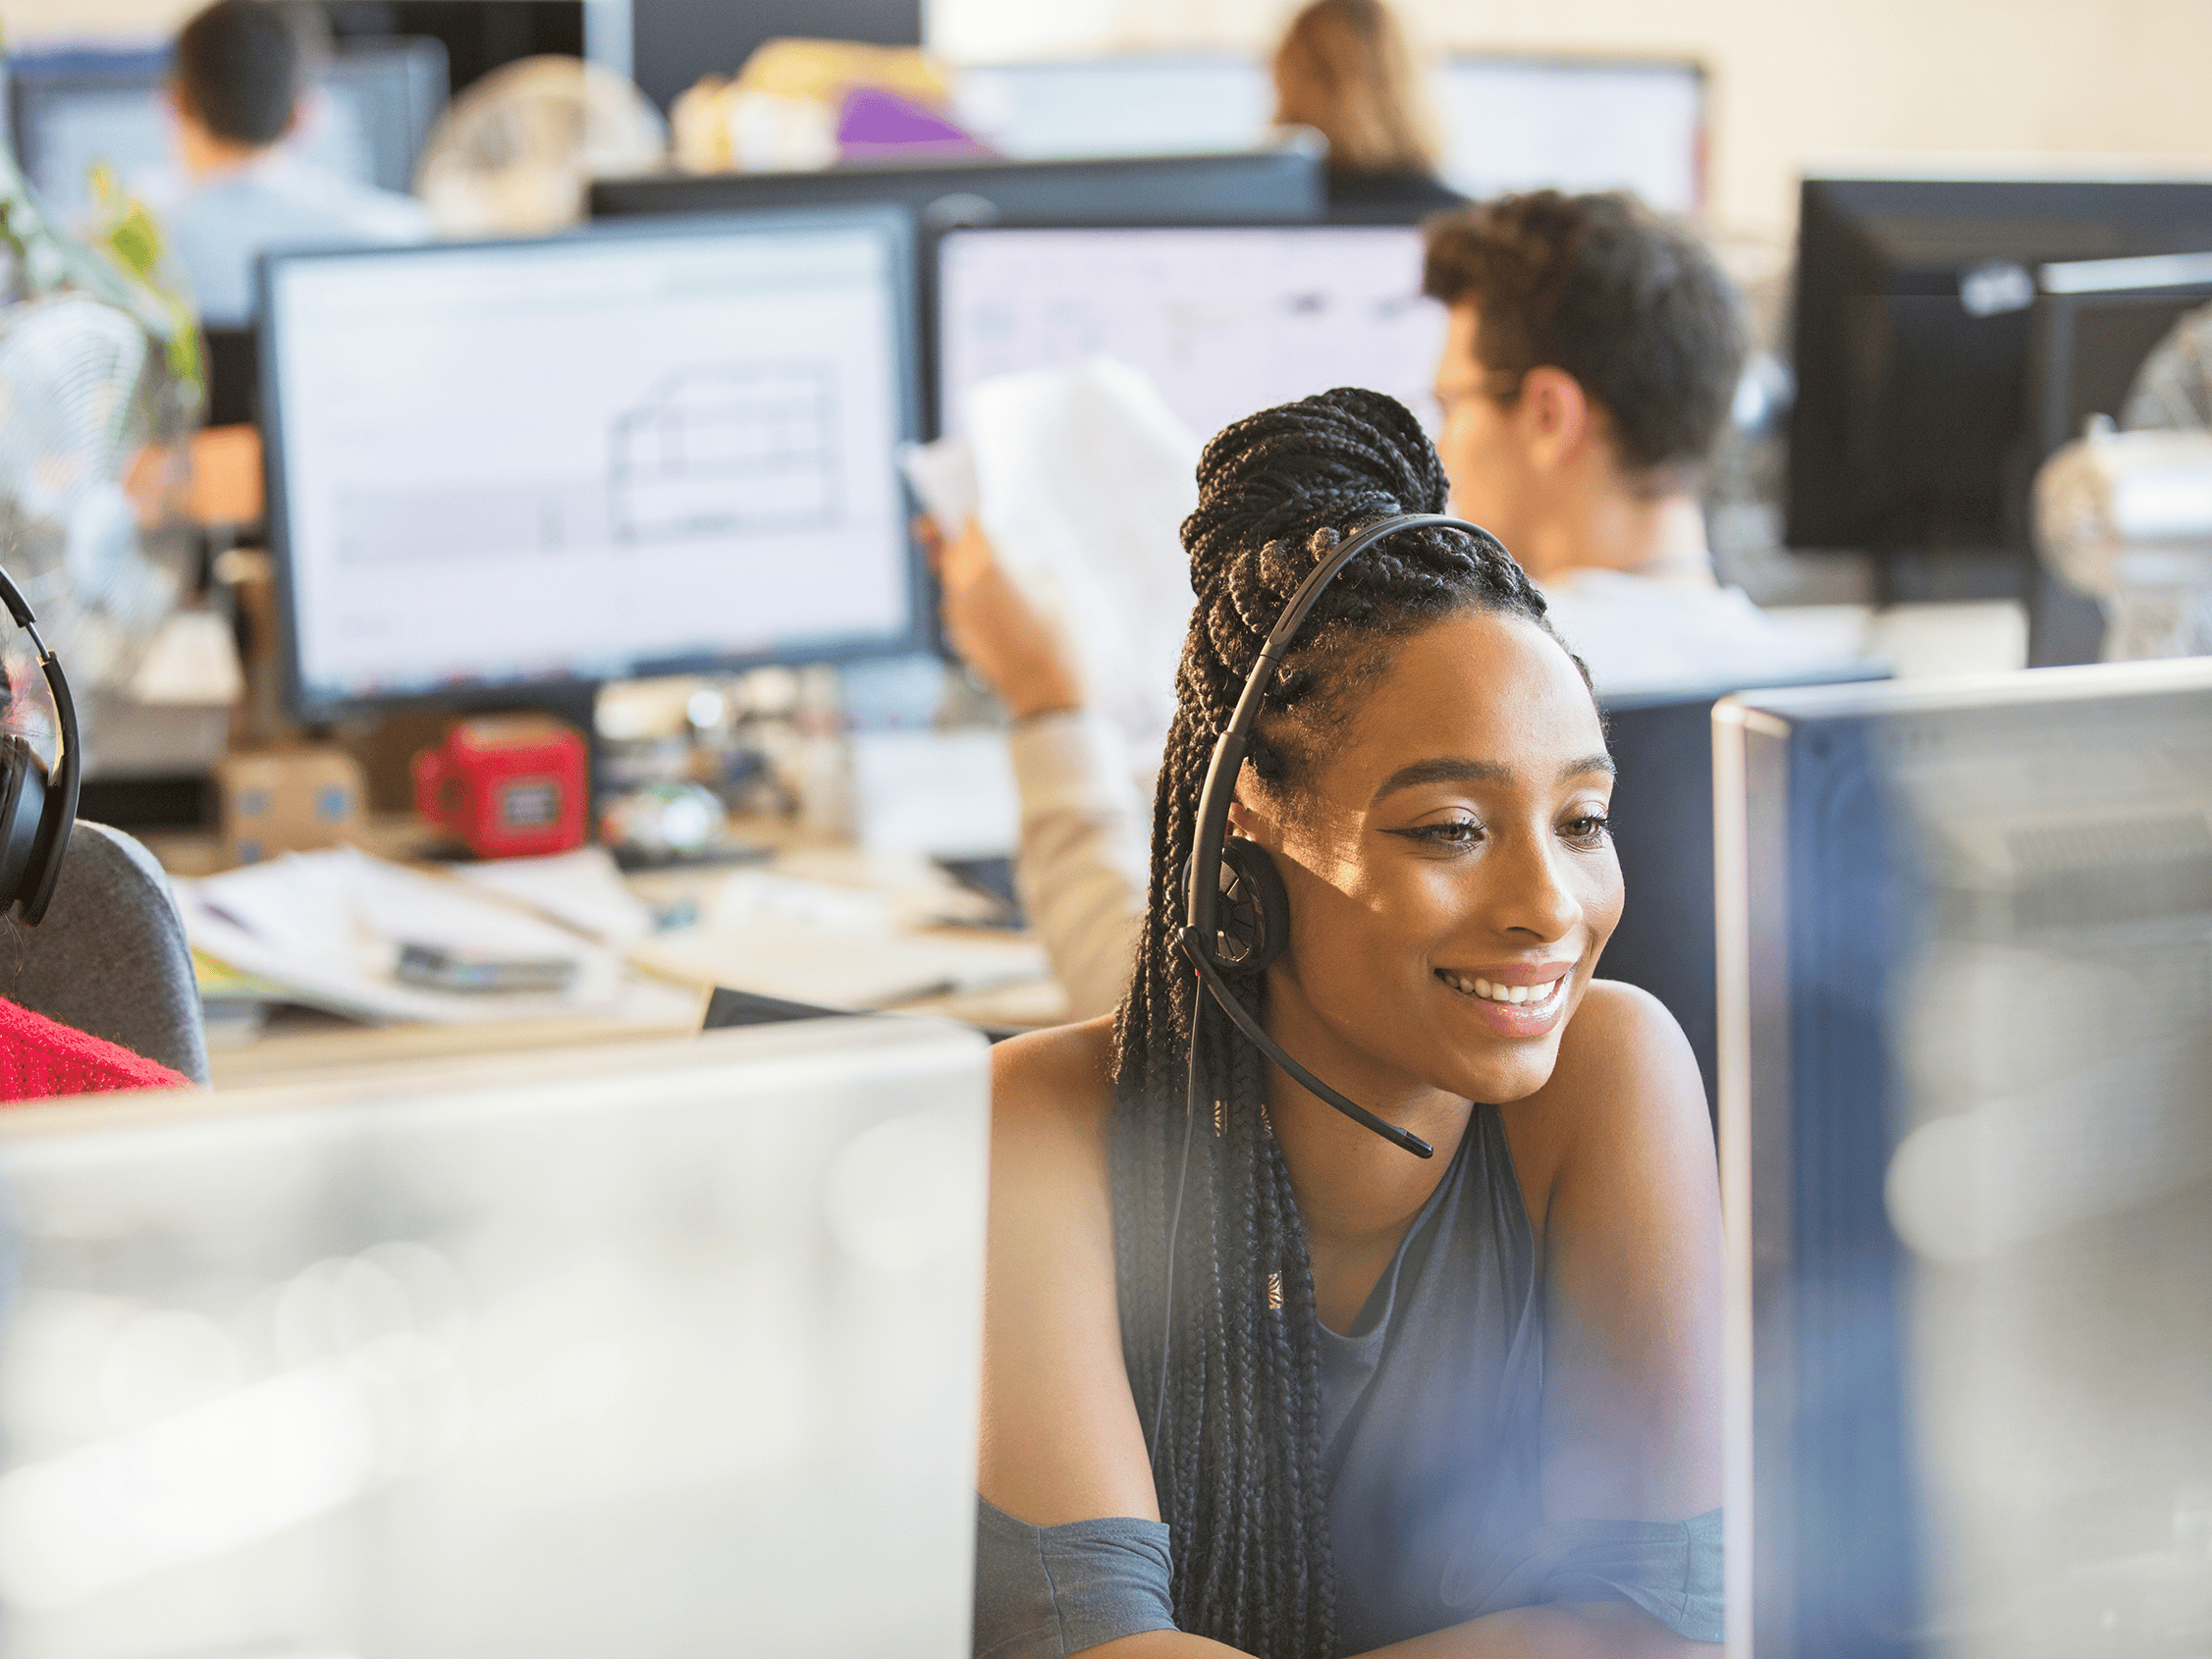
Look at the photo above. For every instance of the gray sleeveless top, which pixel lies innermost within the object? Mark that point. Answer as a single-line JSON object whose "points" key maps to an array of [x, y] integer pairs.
{"points": [[1431, 1447]]}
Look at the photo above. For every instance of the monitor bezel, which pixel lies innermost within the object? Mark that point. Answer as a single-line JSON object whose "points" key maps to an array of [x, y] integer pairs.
{"points": [[306, 704]]}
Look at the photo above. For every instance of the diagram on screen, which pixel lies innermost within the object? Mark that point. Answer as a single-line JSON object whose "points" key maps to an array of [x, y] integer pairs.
{"points": [[720, 450]]}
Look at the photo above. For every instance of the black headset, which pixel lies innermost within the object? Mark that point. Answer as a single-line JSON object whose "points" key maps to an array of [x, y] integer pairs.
{"points": [[38, 811], [1236, 915]]}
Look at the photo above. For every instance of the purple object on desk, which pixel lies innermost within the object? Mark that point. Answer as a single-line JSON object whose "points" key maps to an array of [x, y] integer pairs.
{"points": [[877, 125]]}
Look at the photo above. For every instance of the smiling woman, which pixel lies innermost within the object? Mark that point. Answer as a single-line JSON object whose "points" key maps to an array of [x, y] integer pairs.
{"points": [[1255, 1379]]}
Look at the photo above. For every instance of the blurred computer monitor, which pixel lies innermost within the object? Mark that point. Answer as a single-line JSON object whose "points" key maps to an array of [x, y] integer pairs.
{"points": [[1911, 430], [1662, 825], [1510, 123], [2095, 322], [631, 1349], [1280, 183], [366, 119], [1967, 1164], [1224, 319], [652, 448]]}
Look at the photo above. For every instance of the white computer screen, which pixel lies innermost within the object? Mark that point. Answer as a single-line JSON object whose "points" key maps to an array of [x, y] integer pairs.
{"points": [[1510, 123], [1224, 320], [129, 130], [592, 457]]}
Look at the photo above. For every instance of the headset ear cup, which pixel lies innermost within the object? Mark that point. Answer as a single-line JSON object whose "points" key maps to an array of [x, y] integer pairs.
{"points": [[1254, 912], [22, 809]]}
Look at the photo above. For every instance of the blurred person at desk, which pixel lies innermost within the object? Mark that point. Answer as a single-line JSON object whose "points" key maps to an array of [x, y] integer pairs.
{"points": [[241, 71], [1284, 1386], [1592, 363], [1344, 68]]}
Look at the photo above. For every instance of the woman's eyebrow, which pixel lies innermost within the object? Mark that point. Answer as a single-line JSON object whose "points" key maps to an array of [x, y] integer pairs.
{"points": [[1456, 769]]}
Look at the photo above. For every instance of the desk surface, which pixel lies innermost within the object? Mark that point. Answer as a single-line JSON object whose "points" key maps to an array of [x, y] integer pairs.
{"points": [[298, 1042]]}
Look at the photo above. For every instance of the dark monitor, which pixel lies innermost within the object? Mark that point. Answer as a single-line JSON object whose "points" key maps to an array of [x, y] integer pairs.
{"points": [[1911, 342], [502, 471], [1283, 182], [1966, 1163], [1663, 818], [2094, 324], [1224, 319], [366, 121]]}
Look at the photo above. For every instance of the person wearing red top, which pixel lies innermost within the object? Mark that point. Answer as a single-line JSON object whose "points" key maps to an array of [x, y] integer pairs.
{"points": [[42, 1060]]}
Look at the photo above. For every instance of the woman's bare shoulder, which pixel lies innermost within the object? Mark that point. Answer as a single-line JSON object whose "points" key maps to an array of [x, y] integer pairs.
{"points": [[1061, 1078], [1625, 1073]]}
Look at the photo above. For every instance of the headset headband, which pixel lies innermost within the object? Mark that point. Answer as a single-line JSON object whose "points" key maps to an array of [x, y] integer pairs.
{"points": [[1202, 894]]}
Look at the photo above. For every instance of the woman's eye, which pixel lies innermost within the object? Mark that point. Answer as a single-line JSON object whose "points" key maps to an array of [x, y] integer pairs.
{"points": [[1591, 827], [1452, 832]]}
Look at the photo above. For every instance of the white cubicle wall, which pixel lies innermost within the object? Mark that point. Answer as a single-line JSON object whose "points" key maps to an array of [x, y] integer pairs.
{"points": [[1510, 123], [634, 1350]]}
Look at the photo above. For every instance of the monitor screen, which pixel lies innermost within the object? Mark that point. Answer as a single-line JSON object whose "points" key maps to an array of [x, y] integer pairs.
{"points": [[1911, 426], [1225, 320], [1968, 1165], [2095, 322], [365, 121], [1509, 123], [606, 455]]}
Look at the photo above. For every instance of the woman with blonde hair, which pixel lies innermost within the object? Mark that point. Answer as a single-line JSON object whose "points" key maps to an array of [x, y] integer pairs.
{"points": [[1344, 68]]}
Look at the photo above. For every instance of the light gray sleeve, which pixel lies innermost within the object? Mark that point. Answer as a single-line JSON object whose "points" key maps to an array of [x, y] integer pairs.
{"points": [[1671, 1568], [1085, 853], [1045, 1593]]}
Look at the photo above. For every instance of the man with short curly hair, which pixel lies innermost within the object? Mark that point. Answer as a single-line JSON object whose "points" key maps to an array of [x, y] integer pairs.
{"points": [[237, 83], [1594, 354]]}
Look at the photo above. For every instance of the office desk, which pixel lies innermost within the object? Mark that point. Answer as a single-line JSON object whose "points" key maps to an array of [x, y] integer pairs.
{"points": [[299, 1043]]}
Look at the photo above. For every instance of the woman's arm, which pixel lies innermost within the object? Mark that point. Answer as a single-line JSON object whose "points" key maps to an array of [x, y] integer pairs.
{"points": [[1060, 1437]]}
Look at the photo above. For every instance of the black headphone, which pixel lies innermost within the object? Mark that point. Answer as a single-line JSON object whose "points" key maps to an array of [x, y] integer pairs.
{"points": [[36, 811], [1236, 911]]}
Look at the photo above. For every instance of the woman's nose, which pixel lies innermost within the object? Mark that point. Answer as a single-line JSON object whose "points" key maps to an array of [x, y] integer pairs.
{"points": [[1533, 894]]}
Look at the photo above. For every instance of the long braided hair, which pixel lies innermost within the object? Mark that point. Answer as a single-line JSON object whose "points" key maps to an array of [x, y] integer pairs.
{"points": [[1236, 1453]]}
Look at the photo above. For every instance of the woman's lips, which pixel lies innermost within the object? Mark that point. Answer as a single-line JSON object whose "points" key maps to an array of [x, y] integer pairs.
{"points": [[1524, 1010]]}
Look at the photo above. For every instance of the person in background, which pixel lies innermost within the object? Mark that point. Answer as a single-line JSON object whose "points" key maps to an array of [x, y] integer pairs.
{"points": [[1591, 360], [1344, 70], [240, 74]]}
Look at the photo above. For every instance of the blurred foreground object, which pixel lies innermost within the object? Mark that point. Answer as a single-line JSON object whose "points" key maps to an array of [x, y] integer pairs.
{"points": [[803, 103], [629, 1350], [1963, 936], [515, 152], [2126, 519]]}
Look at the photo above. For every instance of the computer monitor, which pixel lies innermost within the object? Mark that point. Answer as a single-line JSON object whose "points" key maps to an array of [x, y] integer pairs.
{"points": [[1662, 821], [1280, 183], [635, 1349], [1224, 319], [1909, 432], [1966, 1163], [365, 121], [1510, 122], [2095, 322], [502, 467]]}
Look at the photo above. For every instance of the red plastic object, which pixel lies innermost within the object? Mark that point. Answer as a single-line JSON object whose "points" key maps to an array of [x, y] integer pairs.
{"points": [[508, 785]]}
